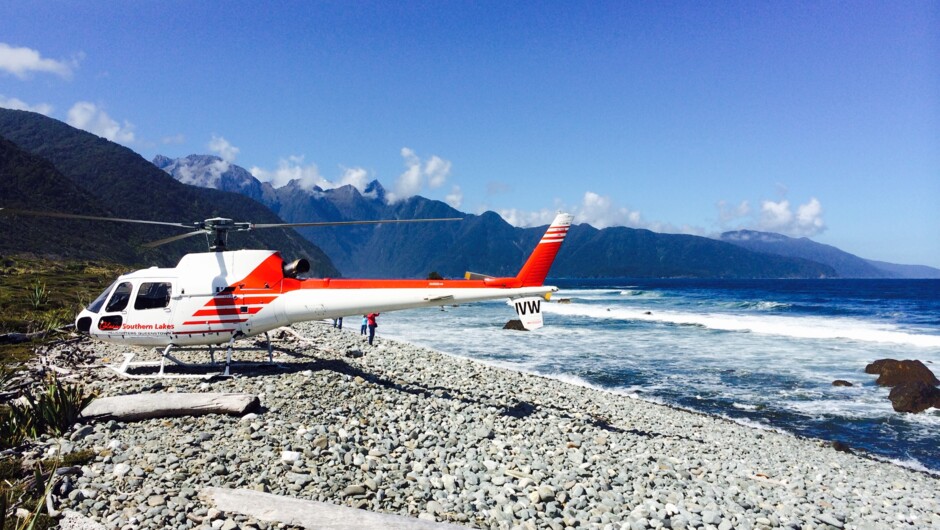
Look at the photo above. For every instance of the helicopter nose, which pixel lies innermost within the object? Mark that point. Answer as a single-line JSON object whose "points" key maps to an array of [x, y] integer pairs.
{"points": [[83, 322]]}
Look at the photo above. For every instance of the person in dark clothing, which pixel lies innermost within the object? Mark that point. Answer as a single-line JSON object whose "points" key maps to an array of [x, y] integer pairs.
{"points": [[370, 318]]}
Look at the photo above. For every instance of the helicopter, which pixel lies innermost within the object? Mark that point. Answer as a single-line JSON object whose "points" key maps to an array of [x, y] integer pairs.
{"points": [[217, 297]]}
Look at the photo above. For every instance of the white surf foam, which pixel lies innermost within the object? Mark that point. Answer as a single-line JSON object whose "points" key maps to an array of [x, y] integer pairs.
{"points": [[797, 327]]}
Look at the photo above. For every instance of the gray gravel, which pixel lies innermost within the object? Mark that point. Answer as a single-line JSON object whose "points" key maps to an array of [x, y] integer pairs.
{"points": [[401, 429]]}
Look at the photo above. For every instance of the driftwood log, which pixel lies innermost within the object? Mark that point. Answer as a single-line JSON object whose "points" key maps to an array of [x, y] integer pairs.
{"points": [[136, 407], [309, 514]]}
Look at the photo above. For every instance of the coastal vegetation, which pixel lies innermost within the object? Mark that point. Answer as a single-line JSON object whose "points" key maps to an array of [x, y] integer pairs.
{"points": [[52, 410], [25, 485], [38, 299], [39, 295]]}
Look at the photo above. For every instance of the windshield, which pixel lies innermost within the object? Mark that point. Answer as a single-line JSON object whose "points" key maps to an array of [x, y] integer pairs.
{"points": [[120, 298], [95, 306]]}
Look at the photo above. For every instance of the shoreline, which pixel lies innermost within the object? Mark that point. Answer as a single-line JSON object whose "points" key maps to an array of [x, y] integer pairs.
{"points": [[407, 430], [748, 423]]}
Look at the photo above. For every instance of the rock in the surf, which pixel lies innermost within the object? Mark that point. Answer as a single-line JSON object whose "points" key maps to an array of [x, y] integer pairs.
{"points": [[892, 372], [515, 324], [841, 382], [914, 397], [842, 447]]}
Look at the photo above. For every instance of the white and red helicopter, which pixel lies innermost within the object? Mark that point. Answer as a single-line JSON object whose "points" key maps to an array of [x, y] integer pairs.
{"points": [[217, 297]]}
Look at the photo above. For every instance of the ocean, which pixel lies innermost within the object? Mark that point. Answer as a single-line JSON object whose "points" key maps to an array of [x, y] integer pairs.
{"points": [[759, 352]]}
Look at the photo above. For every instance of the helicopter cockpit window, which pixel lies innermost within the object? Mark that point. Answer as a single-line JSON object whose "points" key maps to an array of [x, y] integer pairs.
{"points": [[122, 295], [153, 295], [95, 306]]}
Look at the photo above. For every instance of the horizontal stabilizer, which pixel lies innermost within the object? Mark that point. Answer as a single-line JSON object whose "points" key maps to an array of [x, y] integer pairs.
{"points": [[475, 276]]}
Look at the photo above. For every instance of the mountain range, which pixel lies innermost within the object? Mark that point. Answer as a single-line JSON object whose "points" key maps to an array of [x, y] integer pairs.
{"points": [[48, 165], [481, 243], [486, 243], [845, 264]]}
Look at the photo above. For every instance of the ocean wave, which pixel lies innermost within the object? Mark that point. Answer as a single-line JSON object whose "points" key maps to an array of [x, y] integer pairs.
{"points": [[639, 293], [909, 463], [796, 327], [761, 305]]}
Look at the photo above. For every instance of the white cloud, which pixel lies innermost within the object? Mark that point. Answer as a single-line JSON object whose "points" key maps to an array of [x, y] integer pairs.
{"points": [[437, 169], [88, 116], [227, 152], [418, 175], [288, 169], [223, 148], [410, 182], [596, 210], [804, 222], [809, 217], [19, 104], [600, 212], [357, 177], [775, 215], [21, 62], [175, 139], [455, 197], [308, 176], [525, 219]]}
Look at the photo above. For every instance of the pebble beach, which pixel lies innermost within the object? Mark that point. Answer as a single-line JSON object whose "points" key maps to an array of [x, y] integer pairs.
{"points": [[405, 430]]}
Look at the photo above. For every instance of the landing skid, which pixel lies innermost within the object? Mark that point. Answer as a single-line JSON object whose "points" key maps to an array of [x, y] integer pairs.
{"points": [[129, 364]]}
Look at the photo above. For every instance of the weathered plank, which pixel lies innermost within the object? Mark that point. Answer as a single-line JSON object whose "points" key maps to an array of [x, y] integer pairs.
{"points": [[310, 514], [136, 407]]}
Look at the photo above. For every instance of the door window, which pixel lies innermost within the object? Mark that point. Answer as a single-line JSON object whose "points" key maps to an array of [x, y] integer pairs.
{"points": [[153, 295]]}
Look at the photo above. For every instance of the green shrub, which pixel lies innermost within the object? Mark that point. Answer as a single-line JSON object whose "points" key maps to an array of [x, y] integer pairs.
{"points": [[53, 411], [38, 296]]}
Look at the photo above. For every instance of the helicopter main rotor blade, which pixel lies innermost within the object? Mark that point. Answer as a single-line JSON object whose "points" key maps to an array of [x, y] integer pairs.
{"points": [[342, 223], [60, 215], [164, 241]]}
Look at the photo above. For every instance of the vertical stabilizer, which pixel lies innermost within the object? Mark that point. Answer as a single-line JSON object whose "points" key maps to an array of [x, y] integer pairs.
{"points": [[535, 270]]}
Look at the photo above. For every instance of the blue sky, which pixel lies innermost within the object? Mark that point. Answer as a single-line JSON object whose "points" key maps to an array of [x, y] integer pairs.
{"points": [[813, 119]]}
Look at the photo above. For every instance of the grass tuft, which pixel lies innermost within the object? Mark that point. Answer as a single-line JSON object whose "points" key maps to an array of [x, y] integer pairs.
{"points": [[52, 411]]}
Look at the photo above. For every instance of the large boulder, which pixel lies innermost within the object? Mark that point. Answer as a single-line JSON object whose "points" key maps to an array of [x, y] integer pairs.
{"points": [[892, 372], [914, 397]]}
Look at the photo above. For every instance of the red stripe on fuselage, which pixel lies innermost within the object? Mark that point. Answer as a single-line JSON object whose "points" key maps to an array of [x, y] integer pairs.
{"points": [[208, 322], [240, 300], [206, 331], [344, 283], [217, 312]]}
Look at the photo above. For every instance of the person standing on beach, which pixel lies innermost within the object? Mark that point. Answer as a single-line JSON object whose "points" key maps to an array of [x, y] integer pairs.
{"points": [[370, 318], [365, 324]]}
